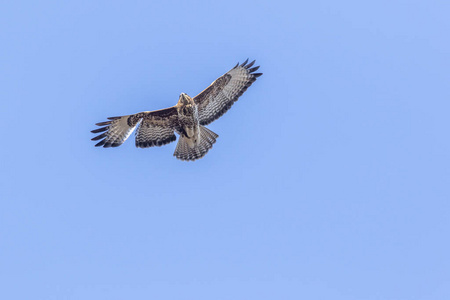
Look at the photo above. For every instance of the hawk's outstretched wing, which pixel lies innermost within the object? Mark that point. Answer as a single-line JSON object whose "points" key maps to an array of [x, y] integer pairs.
{"points": [[216, 99], [156, 128]]}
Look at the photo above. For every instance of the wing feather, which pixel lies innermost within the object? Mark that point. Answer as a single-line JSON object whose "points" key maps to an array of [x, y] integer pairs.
{"points": [[157, 128], [217, 99], [116, 131]]}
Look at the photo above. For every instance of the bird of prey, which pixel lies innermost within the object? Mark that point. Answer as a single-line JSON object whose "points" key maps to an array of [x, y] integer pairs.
{"points": [[187, 118]]}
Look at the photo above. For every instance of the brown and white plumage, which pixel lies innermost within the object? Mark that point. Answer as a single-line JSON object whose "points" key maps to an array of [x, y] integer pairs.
{"points": [[216, 99], [157, 128]]}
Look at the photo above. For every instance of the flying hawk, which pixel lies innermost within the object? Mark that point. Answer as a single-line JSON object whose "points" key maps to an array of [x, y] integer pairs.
{"points": [[187, 118]]}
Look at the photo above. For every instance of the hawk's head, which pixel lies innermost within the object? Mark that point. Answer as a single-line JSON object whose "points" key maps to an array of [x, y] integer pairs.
{"points": [[185, 100], [186, 105]]}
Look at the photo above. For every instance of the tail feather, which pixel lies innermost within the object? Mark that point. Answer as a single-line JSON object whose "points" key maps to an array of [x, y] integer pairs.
{"points": [[188, 150]]}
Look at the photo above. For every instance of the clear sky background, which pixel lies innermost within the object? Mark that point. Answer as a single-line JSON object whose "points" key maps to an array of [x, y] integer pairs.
{"points": [[330, 178]]}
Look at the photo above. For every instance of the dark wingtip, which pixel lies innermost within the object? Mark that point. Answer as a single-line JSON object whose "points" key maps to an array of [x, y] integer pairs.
{"points": [[113, 118], [103, 123], [244, 63], [98, 137], [250, 64], [253, 69], [100, 129], [101, 143], [256, 74]]}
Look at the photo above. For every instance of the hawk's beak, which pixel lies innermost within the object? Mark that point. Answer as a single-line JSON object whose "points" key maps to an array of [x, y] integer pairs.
{"points": [[183, 98]]}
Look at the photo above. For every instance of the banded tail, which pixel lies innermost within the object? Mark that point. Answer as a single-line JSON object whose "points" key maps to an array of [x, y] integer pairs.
{"points": [[188, 150]]}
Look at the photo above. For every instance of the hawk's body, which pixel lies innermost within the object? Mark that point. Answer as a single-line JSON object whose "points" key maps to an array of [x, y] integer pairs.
{"points": [[156, 128]]}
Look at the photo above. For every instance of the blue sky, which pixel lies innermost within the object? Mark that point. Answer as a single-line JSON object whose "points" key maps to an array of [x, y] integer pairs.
{"points": [[330, 178]]}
